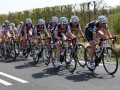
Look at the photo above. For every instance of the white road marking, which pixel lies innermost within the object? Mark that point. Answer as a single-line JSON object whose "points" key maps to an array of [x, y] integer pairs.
{"points": [[5, 82], [14, 78]]}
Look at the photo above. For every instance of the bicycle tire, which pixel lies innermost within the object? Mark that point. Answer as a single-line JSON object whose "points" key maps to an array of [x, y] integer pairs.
{"points": [[16, 47], [70, 59], [46, 59], [110, 53], [80, 55], [86, 56]]}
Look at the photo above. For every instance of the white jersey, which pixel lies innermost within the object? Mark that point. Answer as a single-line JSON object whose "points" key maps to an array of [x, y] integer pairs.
{"points": [[6, 29]]}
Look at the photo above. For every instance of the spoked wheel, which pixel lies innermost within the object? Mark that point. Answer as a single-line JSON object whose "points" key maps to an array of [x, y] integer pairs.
{"points": [[53, 57], [32, 49], [16, 47], [86, 56], [46, 58], [70, 60], [110, 61], [80, 55], [12, 52], [36, 58]]}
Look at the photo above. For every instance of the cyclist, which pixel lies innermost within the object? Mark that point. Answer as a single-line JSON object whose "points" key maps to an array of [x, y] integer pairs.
{"points": [[14, 29], [26, 32], [93, 32], [57, 35], [39, 28], [50, 27], [7, 31], [19, 28], [74, 25]]}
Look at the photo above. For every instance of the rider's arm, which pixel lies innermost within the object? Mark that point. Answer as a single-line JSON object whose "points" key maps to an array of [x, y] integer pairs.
{"points": [[80, 31], [46, 32]]}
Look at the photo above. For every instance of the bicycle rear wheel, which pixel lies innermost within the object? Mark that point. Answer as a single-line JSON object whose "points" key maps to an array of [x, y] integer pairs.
{"points": [[86, 56], [80, 55], [110, 61]]}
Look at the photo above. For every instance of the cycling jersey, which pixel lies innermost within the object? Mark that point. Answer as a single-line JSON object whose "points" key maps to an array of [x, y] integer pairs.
{"points": [[73, 28], [39, 29], [26, 27], [6, 29], [94, 26], [50, 27], [59, 30]]}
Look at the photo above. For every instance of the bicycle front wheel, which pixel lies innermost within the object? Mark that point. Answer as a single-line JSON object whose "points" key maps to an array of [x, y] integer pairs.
{"points": [[46, 58], [80, 55], [110, 61], [70, 60]]}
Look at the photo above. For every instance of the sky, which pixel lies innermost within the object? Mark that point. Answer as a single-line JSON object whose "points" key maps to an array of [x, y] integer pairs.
{"points": [[21, 5]]}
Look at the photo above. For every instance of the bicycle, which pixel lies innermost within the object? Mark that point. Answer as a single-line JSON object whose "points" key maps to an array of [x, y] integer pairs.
{"points": [[107, 55], [79, 51], [66, 55], [30, 46], [8, 49], [43, 52]]}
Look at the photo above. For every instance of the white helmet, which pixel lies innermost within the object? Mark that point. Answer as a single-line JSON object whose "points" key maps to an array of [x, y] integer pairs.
{"points": [[21, 22], [74, 19], [102, 19], [12, 24], [54, 19], [6, 22], [41, 21], [28, 20], [63, 20]]}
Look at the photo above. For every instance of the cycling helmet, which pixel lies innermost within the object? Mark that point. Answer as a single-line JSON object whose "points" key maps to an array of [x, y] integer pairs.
{"points": [[28, 20], [6, 22], [21, 22], [102, 19], [74, 19], [12, 24], [41, 21], [54, 19], [63, 20]]}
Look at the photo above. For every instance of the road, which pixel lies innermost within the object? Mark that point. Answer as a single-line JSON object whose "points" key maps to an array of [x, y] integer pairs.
{"points": [[26, 75]]}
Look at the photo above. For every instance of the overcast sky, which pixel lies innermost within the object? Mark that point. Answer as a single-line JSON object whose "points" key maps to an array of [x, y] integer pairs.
{"points": [[21, 5]]}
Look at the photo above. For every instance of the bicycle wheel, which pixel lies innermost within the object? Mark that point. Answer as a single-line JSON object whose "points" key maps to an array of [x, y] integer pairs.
{"points": [[12, 51], [53, 57], [16, 47], [35, 56], [86, 56], [32, 48], [46, 59], [70, 60], [110, 61], [80, 55]]}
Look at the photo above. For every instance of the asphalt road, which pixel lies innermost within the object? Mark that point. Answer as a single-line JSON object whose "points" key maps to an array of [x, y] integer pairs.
{"points": [[26, 75]]}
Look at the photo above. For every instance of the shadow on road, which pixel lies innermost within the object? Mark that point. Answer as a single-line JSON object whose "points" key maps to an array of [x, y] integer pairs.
{"points": [[87, 75], [46, 73]]}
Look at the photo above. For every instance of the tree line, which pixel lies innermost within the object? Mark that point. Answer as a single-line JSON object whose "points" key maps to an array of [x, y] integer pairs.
{"points": [[85, 11]]}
